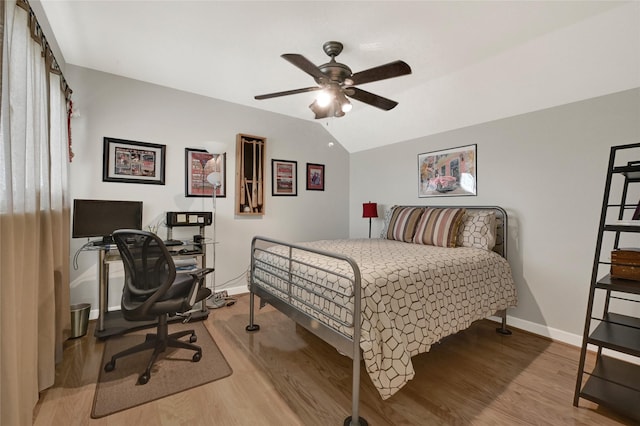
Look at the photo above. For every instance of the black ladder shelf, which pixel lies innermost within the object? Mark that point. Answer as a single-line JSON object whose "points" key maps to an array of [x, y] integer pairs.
{"points": [[614, 382]]}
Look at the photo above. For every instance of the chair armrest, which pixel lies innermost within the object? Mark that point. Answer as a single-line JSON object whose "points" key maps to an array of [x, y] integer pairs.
{"points": [[198, 276]]}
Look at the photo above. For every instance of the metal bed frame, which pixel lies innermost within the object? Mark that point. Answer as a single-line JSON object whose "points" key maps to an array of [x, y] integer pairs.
{"points": [[285, 300]]}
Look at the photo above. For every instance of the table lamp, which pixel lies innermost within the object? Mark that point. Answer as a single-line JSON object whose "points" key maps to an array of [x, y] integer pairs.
{"points": [[369, 210]]}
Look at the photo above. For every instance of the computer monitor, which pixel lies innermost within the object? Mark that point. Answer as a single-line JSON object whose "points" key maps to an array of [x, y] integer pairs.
{"points": [[99, 218]]}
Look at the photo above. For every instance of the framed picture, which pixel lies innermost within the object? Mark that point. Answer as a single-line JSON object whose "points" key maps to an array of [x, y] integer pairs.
{"points": [[250, 172], [450, 172], [203, 172], [133, 162], [315, 177], [284, 175]]}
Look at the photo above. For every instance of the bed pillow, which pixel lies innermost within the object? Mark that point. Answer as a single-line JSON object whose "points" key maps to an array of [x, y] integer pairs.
{"points": [[439, 227], [402, 224], [387, 219], [478, 229]]}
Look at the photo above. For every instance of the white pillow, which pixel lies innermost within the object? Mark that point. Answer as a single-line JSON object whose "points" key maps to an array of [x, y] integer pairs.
{"points": [[387, 219], [478, 229]]}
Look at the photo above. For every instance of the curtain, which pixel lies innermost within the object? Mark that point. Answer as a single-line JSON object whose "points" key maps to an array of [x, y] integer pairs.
{"points": [[34, 216]]}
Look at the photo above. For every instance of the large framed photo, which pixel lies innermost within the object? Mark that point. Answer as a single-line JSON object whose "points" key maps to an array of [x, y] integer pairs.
{"points": [[133, 162], [449, 172], [205, 172], [284, 175], [315, 177]]}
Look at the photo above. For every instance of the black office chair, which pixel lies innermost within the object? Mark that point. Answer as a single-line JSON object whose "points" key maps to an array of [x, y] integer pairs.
{"points": [[153, 290]]}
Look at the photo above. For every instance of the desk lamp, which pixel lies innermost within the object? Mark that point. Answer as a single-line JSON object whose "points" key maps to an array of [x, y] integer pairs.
{"points": [[369, 210]]}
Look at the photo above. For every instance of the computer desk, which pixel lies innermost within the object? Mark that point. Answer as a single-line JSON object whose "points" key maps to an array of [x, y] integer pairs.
{"points": [[111, 323]]}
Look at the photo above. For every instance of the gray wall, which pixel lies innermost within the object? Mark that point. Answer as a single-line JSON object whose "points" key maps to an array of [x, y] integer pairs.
{"points": [[547, 169], [128, 109]]}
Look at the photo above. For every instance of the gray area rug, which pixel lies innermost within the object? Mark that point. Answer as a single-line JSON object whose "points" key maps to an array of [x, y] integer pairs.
{"points": [[173, 372]]}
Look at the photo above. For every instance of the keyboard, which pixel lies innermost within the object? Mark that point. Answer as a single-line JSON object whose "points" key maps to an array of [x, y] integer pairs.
{"points": [[170, 243]]}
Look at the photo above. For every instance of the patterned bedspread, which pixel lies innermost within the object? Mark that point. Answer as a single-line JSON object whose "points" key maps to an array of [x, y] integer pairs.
{"points": [[412, 296]]}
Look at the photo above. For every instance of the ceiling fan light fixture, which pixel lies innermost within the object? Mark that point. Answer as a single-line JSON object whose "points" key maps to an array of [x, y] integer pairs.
{"points": [[324, 98], [318, 111], [342, 103], [335, 81]]}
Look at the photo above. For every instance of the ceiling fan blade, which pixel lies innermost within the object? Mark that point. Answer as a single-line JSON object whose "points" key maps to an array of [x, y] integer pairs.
{"points": [[306, 65], [287, 92], [390, 70], [370, 98]]}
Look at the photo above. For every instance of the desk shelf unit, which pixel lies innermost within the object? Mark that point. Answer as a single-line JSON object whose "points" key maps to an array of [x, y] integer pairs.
{"points": [[110, 323], [614, 382]]}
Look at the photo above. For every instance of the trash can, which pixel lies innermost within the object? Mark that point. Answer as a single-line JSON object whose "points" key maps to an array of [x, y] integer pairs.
{"points": [[79, 319]]}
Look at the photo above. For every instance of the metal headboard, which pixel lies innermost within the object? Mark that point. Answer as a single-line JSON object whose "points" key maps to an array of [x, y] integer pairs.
{"points": [[501, 224]]}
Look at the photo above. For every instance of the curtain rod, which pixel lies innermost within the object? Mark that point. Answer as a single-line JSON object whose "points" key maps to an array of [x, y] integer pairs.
{"points": [[38, 35]]}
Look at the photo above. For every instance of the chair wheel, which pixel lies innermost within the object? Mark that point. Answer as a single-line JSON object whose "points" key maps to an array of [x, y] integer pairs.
{"points": [[109, 366], [143, 379], [193, 338], [197, 357]]}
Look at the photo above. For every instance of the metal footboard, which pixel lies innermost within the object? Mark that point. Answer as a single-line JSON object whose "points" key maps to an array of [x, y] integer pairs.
{"points": [[282, 285]]}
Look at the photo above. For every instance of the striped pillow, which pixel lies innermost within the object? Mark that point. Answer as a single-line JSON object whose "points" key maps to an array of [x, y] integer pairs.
{"points": [[439, 227], [402, 224]]}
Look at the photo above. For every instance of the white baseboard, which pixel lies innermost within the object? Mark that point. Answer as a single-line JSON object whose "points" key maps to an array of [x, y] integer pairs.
{"points": [[233, 291], [561, 336], [542, 330]]}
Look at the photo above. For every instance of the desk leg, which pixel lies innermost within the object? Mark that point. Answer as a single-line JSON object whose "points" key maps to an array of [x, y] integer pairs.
{"points": [[203, 264], [103, 276]]}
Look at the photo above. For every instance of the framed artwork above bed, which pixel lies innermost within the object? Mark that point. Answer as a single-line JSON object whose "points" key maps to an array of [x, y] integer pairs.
{"points": [[449, 172]]}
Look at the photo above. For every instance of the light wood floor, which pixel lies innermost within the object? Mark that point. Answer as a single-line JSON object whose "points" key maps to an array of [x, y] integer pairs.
{"points": [[283, 375]]}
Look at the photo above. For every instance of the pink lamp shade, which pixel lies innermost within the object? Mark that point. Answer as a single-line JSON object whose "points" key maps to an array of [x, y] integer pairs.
{"points": [[369, 210]]}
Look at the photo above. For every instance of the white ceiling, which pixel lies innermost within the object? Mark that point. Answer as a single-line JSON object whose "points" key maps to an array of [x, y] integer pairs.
{"points": [[472, 61]]}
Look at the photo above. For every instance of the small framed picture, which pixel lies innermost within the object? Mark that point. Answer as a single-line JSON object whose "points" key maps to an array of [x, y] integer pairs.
{"points": [[284, 176], [315, 177], [204, 172], [133, 162]]}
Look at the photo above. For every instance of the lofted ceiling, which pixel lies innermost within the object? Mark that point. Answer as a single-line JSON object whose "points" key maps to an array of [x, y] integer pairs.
{"points": [[472, 61]]}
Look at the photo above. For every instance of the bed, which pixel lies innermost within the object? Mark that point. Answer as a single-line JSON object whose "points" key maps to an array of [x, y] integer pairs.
{"points": [[432, 272]]}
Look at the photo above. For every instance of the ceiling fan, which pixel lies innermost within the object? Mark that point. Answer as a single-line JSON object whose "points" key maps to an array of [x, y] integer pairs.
{"points": [[336, 83]]}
